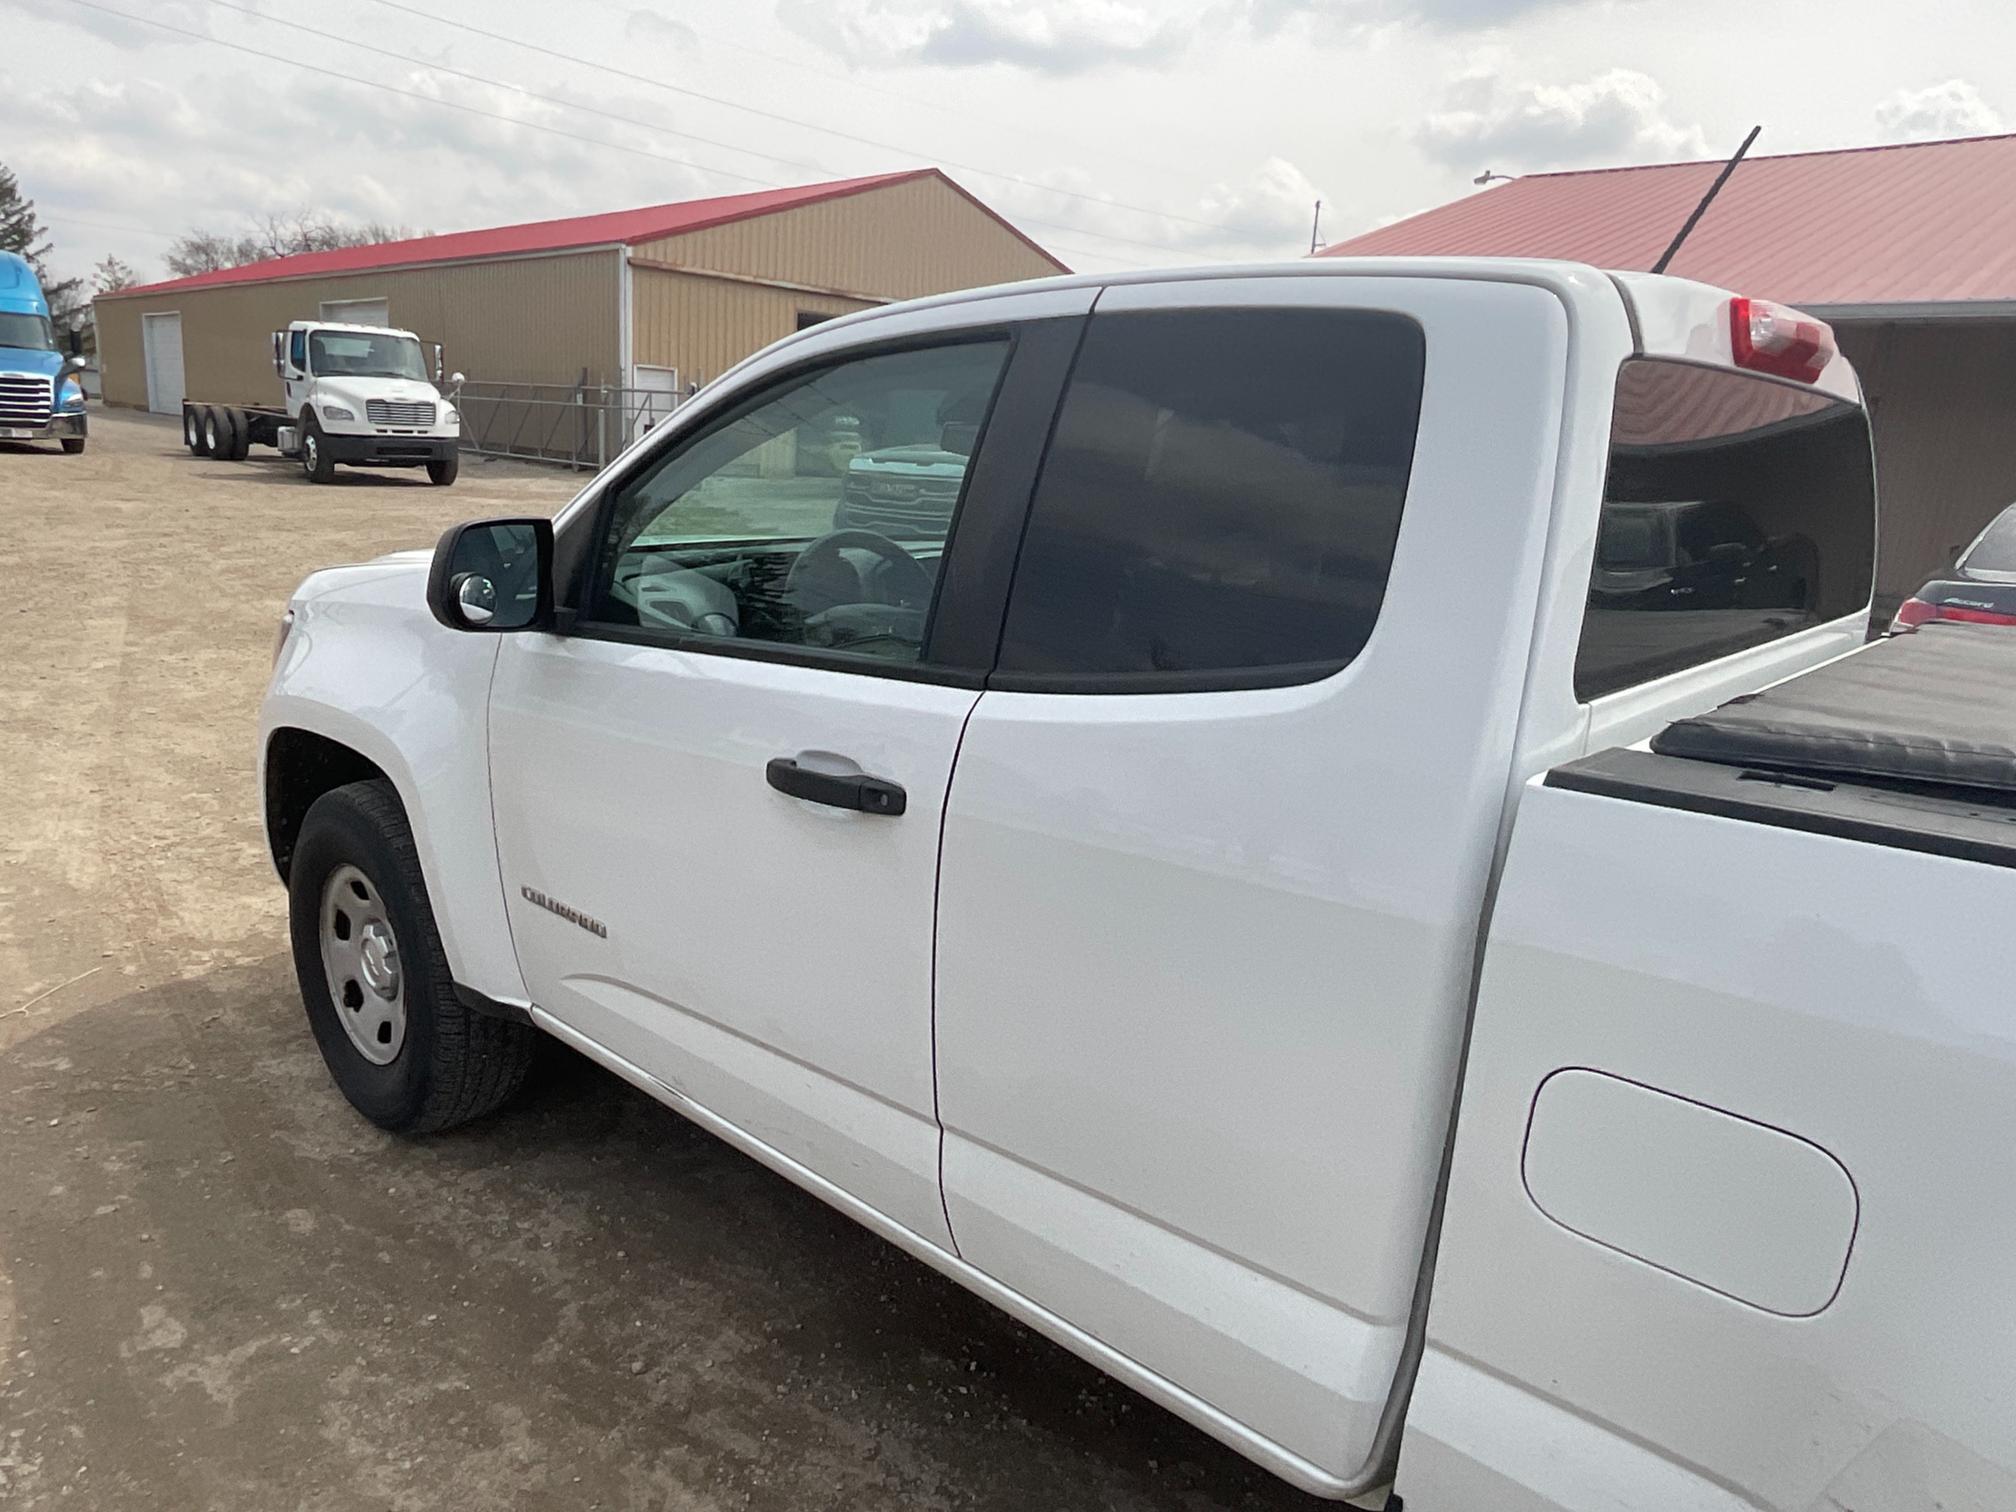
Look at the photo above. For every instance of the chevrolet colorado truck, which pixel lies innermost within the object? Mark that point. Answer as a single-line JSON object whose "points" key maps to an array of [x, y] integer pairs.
{"points": [[1355, 871]]}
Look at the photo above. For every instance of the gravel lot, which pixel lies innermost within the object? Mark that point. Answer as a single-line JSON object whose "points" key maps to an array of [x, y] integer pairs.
{"points": [[221, 1290]]}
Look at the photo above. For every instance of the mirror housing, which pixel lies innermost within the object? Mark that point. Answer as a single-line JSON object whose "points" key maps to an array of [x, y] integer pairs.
{"points": [[493, 576], [438, 368], [73, 364]]}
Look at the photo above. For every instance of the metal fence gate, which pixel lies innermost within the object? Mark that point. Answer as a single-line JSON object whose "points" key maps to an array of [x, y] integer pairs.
{"points": [[580, 424]]}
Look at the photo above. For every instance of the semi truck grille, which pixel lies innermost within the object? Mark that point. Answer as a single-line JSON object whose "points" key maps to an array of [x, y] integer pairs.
{"points": [[24, 399], [396, 412]]}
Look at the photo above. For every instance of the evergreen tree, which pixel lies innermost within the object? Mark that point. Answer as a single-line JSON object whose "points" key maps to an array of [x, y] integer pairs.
{"points": [[21, 231]]}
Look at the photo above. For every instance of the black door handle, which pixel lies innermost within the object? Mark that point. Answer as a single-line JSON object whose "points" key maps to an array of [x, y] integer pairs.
{"points": [[870, 795]]}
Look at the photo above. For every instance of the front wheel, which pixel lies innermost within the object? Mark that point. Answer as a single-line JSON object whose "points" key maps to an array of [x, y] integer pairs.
{"points": [[316, 463], [397, 1040], [442, 472], [73, 446]]}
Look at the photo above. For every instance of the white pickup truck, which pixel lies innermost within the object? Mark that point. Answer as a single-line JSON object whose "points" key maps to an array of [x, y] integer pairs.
{"points": [[1213, 887]]}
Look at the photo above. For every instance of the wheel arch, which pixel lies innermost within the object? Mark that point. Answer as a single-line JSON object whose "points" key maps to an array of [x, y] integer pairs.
{"points": [[300, 766]]}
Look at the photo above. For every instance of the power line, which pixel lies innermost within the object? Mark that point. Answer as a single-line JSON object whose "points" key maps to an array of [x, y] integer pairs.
{"points": [[492, 115], [414, 94], [98, 225], [845, 136], [851, 81], [531, 94]]}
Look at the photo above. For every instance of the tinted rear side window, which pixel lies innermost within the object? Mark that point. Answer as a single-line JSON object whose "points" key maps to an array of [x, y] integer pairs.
{"points": [[1737, 510], [1219, 502]]}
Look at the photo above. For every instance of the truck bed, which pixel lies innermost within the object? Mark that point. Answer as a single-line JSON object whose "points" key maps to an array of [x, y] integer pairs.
{"points": [[1910, 743]]}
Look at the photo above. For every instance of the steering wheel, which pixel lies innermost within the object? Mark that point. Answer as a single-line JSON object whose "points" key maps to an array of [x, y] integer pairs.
{"points": [[821, 578]]}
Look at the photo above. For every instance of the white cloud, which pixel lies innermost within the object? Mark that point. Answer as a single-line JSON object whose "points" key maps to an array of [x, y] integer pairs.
{"points": [[1616, 117], [98, 155], [1266, 214], [1346, 20], [1046, 36], [647, 28], [1952, 109]]}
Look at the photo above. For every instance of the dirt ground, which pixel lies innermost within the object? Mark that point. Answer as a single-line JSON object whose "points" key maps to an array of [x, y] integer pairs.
{"points": [[221, 1290]]}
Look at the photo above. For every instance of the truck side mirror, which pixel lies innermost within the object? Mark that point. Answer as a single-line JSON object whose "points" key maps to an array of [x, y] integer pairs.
{"points": [[280, 353], [493, 575], [75, 364], [438, 369]]}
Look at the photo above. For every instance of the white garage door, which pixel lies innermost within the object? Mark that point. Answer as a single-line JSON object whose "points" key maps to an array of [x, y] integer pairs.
{"points": [[161, 337], [356, 311]]}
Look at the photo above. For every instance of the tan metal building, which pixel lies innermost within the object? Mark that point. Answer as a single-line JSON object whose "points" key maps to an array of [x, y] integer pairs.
{"points": [[659, 298]]}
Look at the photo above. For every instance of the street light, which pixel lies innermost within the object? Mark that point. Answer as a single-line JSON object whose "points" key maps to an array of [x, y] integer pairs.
{"points": [[1487, 176]]}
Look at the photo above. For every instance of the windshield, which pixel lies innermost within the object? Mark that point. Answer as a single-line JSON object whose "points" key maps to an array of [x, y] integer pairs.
{"points": [[364, 354], [31, 331]]}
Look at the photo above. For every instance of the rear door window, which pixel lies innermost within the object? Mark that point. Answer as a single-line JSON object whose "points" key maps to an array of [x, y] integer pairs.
{"points": [[1737, 509], [1219, 503]]}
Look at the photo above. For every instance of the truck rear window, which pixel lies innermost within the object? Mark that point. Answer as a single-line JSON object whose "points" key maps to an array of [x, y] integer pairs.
{"points": [[1737, 509]]}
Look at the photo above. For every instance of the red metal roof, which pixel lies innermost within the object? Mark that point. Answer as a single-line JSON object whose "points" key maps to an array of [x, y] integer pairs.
{"points": [[628, 227], [1926, 222]]}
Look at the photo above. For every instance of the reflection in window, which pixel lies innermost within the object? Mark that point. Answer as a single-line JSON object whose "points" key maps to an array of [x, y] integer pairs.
{"points": [[816, 516], [1737, 509]]}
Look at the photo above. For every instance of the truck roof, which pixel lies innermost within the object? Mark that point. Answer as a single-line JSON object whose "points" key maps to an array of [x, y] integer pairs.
{"points": [[20, 289], [1672, 317], [344, 325]]}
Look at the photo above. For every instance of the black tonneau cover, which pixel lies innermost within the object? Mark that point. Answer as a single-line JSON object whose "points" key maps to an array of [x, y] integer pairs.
{"points": [[1910, 743], [1935, 709]]}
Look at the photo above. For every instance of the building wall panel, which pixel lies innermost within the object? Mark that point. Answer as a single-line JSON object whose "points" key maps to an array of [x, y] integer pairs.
{"points": [[901, 241], [1945, 452], [704, 326], [522, 320]]}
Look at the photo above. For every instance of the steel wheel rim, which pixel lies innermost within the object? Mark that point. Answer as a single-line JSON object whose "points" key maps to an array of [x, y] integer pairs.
{"points": [[210, 434], [360, 960], [308, 448]]}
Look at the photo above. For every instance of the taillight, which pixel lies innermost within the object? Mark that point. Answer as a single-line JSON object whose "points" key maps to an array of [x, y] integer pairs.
{"points": [[1769, 338], [1912, 613], [1973, 616]]}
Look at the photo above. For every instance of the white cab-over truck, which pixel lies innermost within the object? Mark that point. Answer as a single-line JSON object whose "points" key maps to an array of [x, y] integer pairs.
{"points": [[354, 395], [1215, 889]]}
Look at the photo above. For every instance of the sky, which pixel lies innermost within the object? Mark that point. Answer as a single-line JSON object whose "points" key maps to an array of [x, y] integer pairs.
{"points": [[1118, 133]]}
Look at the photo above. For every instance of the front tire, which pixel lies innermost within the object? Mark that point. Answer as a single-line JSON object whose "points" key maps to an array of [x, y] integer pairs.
{"points": [[381, 1002], [317, 466], [441, 473], [73, 446]]}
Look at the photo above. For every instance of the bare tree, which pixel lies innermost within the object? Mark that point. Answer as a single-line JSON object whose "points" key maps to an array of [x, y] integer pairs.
{"points": [[274, 235], [112, 275]]}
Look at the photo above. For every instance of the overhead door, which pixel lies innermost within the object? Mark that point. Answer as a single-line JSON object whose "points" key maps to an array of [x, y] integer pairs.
{"points": [[161, 336]]}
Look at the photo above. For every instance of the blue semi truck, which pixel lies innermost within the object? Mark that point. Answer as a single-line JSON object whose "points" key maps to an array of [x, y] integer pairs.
{"points": [[41, 390]]}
